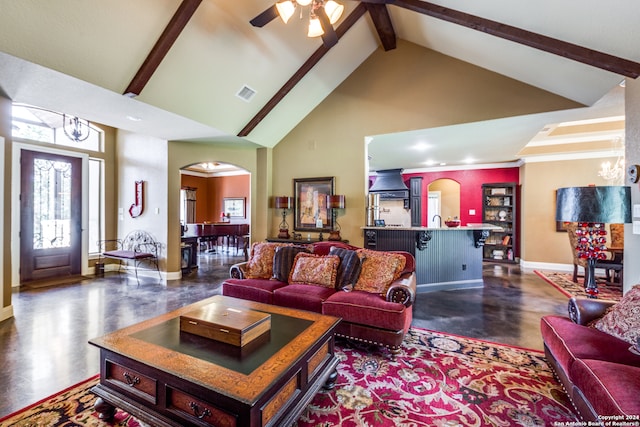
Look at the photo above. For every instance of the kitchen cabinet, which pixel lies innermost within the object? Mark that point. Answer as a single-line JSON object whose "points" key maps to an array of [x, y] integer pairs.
{"points": [[415, 201], [500, 202]]}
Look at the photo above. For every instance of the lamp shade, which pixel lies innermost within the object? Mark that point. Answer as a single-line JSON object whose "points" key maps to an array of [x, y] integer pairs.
{"points": [[605, 204], [336, 202], [315, 28], [334, 11], [282, 202], [286, 9]]}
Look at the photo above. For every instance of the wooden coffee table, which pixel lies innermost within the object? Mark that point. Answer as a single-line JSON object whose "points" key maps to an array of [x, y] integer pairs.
{"points": [[171, 378]]}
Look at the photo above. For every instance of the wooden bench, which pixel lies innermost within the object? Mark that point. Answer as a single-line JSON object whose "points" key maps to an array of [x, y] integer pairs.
{"points": [[138, 246]]}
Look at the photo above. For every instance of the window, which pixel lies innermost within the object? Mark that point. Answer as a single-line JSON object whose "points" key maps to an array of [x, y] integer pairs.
{"points": [[96, 204], [187, 205], [37, 124]]}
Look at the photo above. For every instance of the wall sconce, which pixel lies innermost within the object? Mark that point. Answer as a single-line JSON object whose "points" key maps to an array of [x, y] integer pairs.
{"points": [[592, 207], [333, 203], [284, 203]]}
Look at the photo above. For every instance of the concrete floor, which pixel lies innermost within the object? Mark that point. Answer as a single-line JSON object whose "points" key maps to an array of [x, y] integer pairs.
{"points": [[44, 348]]}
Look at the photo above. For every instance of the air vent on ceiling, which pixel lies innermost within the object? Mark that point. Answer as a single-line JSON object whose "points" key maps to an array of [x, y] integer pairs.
{"points": [[246, 93]]}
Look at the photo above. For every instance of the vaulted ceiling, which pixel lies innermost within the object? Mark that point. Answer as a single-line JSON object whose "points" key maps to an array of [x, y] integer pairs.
{"points": [[186, 60]]}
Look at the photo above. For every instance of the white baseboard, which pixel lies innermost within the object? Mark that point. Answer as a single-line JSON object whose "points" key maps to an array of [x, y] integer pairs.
{"points": [[548, 266]]}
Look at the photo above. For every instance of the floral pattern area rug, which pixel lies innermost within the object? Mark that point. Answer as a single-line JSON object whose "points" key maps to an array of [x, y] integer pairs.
{"points": [[441, 380], [562, 282], [70, 408], [436, 380]]}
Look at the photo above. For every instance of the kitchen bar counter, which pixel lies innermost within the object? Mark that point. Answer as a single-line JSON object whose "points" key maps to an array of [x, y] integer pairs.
{"points": [[470, 226], [446, 258]]}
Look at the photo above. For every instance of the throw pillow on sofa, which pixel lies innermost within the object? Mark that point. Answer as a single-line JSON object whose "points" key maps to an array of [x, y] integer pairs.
{"points": [[283, 261], [379, 270], [349, 268], [318, 270], [260, 264], [622, 320]]}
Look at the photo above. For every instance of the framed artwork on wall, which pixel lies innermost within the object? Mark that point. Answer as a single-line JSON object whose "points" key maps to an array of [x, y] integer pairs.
{"points": [[234, 207], [310, 204]]}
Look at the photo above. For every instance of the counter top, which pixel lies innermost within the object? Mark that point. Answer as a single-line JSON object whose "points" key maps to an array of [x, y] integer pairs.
{"points": [[470, 226]]}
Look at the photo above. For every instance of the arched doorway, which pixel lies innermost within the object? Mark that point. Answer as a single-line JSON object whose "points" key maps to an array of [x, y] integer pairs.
{"points": [[215, 206], [443, 201]]}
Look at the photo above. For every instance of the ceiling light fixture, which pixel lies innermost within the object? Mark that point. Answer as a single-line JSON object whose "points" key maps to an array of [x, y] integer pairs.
{"points": [[334, 11], [75, 128], [614, 173], [209, 166]]}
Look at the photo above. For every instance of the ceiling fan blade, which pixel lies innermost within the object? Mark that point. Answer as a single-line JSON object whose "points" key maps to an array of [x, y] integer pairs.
{"points": [[265, 17], [329, 38]]}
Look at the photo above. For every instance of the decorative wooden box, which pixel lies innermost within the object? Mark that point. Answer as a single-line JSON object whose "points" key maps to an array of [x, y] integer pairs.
{"points": [[226, 324]]}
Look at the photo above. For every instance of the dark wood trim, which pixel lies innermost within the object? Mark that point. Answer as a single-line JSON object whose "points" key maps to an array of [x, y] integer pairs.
{"points": [[302, 71], [382, 21], [558, 47], [173, 29]]}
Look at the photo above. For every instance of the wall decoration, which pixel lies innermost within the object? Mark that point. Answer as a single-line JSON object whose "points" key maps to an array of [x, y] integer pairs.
{"points": [[234, 207], [136, 209], [310, 204]]}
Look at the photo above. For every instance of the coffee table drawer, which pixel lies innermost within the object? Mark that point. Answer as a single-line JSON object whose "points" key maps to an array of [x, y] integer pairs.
{"points": [[131, 381], [195, 410]]}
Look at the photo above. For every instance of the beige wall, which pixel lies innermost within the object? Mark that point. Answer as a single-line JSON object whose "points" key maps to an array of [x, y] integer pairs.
{"points": [[541, 242], [403, 89], [142, 158]]}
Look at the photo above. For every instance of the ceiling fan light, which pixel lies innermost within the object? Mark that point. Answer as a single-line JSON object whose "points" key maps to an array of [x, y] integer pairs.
{"points": [[334, 11], [315, 28], [286, 9], [304, 2]]}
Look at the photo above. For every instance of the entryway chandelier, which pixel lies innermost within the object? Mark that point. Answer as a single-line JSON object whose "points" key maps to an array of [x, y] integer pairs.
{"points": [[75, 128], [334, 10]]}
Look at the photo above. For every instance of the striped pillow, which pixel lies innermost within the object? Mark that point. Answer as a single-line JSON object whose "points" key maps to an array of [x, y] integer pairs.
{"points": [[349, 268], [283, 261]]}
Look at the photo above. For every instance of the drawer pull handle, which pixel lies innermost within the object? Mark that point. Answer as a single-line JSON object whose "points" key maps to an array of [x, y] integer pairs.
{"points": [[196, 411], [131, 380]]}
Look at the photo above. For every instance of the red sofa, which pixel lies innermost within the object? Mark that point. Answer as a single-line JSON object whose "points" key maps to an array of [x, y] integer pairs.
{"points": [[598, 370], [366, 316]]}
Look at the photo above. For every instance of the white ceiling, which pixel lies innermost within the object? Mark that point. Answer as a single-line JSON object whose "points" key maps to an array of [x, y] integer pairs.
{"points": [[78, 57]]}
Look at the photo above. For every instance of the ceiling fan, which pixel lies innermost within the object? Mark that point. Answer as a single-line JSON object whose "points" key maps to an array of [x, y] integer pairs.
{"points": [[322, 16]]}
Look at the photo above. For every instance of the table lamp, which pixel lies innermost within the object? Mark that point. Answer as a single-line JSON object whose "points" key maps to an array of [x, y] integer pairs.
{"points": [[591, 207], [284, 203], [333, 203]]}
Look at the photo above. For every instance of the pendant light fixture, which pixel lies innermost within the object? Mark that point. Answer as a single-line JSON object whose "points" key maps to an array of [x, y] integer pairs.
{"points": [[75, 129]]}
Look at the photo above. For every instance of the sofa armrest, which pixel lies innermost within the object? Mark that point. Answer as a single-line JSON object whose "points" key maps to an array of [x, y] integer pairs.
{"points": [[403, 290], [238, 271], [584, 310]]}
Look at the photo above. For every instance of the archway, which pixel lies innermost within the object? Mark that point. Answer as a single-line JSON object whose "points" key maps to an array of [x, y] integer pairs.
{"points": [[215, 206], [443, 200]]}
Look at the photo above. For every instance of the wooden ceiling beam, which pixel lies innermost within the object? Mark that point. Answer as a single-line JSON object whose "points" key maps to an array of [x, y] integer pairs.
{"points": [[382, 21], [173, 29], [572, 51], [348, 22]]}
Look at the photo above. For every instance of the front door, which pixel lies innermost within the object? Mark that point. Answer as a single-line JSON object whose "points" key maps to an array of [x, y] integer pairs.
{"points": [[50, 216]]}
